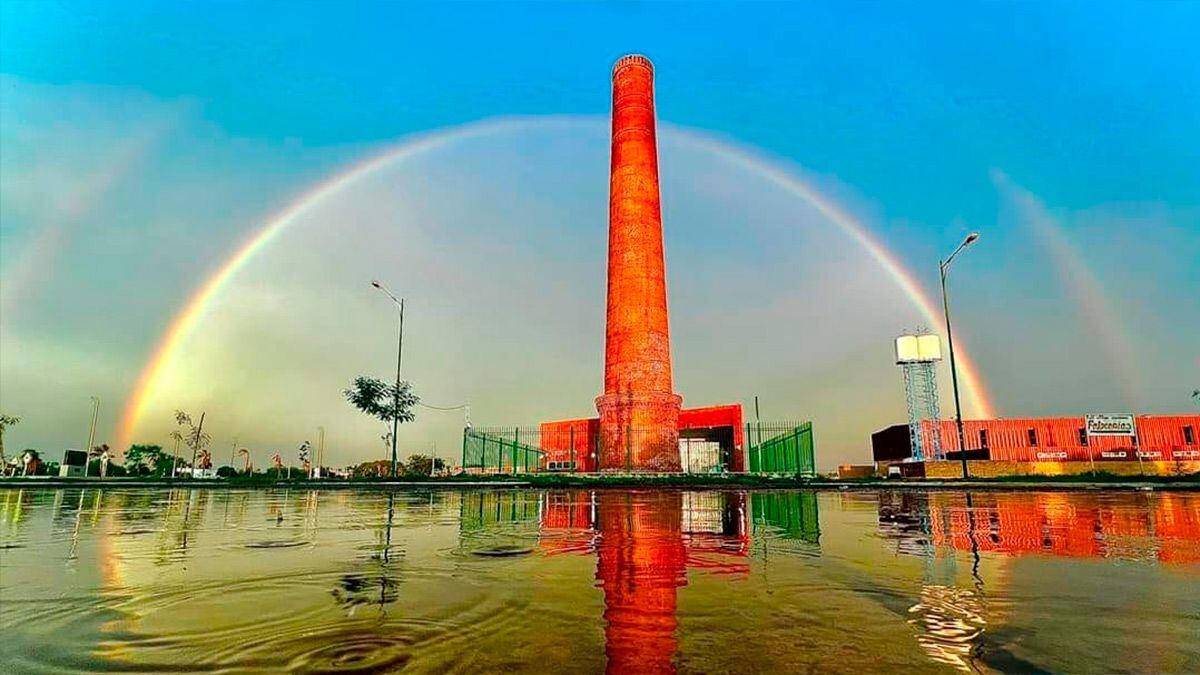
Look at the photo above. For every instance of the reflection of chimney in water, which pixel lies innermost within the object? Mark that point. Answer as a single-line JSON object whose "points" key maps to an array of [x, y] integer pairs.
{"points": [[641, 562]]}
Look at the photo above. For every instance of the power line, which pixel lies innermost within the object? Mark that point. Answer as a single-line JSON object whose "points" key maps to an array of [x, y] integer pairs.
{"points": [[438, 407]]}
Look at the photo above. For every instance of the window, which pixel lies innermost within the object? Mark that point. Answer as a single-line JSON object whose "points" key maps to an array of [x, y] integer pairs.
{"points": [[1032, 437], [1189, 435], [983, 439], [1083, 439]]}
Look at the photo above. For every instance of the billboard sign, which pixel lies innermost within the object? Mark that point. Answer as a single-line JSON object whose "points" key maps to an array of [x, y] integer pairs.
{"points": [[1110, 425]]}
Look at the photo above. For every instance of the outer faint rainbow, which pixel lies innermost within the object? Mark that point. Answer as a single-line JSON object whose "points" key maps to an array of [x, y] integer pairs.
{"points": [[1081, 282], [199, 304]]}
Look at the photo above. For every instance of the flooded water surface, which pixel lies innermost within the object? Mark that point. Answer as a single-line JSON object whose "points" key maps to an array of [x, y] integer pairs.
{"points": [[588, 581]]}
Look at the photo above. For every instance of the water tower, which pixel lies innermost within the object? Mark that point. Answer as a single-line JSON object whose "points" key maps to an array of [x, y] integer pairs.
{"points": [[916, 355]]}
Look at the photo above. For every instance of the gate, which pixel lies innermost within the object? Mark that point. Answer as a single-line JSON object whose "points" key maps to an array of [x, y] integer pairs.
{"points": [[784, 450]]}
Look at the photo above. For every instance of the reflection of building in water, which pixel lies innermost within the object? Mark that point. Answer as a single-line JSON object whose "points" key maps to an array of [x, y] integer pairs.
{"points": [[1166, 528], [568, 522], [645, 543], [951, 619]]}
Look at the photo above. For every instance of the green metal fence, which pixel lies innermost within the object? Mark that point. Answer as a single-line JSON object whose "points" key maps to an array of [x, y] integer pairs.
{"points": [[499, 450], [788, 450], [783, 448]]}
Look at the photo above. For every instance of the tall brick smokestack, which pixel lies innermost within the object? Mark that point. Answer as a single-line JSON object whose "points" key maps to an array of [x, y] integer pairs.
{"points": [[639, 411]]}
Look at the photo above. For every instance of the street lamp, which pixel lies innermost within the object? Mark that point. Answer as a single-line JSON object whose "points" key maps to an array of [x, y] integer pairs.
{"points": [[87, 452], [942, 267], [399, 353]]}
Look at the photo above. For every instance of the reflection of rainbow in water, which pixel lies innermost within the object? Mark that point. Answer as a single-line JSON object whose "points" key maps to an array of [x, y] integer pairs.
{"points": [[157, 369]]}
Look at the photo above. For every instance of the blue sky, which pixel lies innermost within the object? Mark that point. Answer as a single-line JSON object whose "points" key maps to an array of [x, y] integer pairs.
{"points": [[907, 113], [1088, 102]]}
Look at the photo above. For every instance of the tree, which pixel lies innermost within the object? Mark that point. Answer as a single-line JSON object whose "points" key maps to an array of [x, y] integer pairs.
{"points": [[305, 452], [31, 461], [194, 437], [6, 421], [143, 459], [102, 455], [382, 400], [374, 469], [423, 465], [177, 436], [387, 402]]}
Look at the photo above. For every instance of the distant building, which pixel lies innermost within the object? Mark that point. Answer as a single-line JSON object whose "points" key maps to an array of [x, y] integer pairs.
{"points": [[1158, 438], [74, 464]]}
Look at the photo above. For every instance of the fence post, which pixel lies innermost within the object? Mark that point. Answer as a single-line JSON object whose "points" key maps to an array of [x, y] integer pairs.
{"points": [[464, 449], [812, 448], [799, 457], [572, 453], [516, 435], [761, 458], [751, 464]]}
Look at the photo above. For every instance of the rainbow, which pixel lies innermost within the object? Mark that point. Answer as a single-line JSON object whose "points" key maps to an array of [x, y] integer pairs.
{"points": [[1081, 282], [976, 394], [201, 301]]}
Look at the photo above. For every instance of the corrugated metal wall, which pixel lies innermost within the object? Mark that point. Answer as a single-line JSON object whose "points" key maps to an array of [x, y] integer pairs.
{"points": [[1159, 438]]}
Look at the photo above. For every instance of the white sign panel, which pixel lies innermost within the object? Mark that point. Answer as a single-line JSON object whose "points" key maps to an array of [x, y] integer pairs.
{"points": [[917, 348], [1110, 425]]}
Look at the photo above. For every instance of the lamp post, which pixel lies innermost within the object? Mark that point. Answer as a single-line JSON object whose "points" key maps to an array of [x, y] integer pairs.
{"points": [[399, 302], [943, 266], [87, 452], [320, 452]]}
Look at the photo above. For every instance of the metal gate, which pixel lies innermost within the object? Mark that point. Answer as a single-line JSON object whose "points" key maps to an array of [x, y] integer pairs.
{"points": [[787, 450]]}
